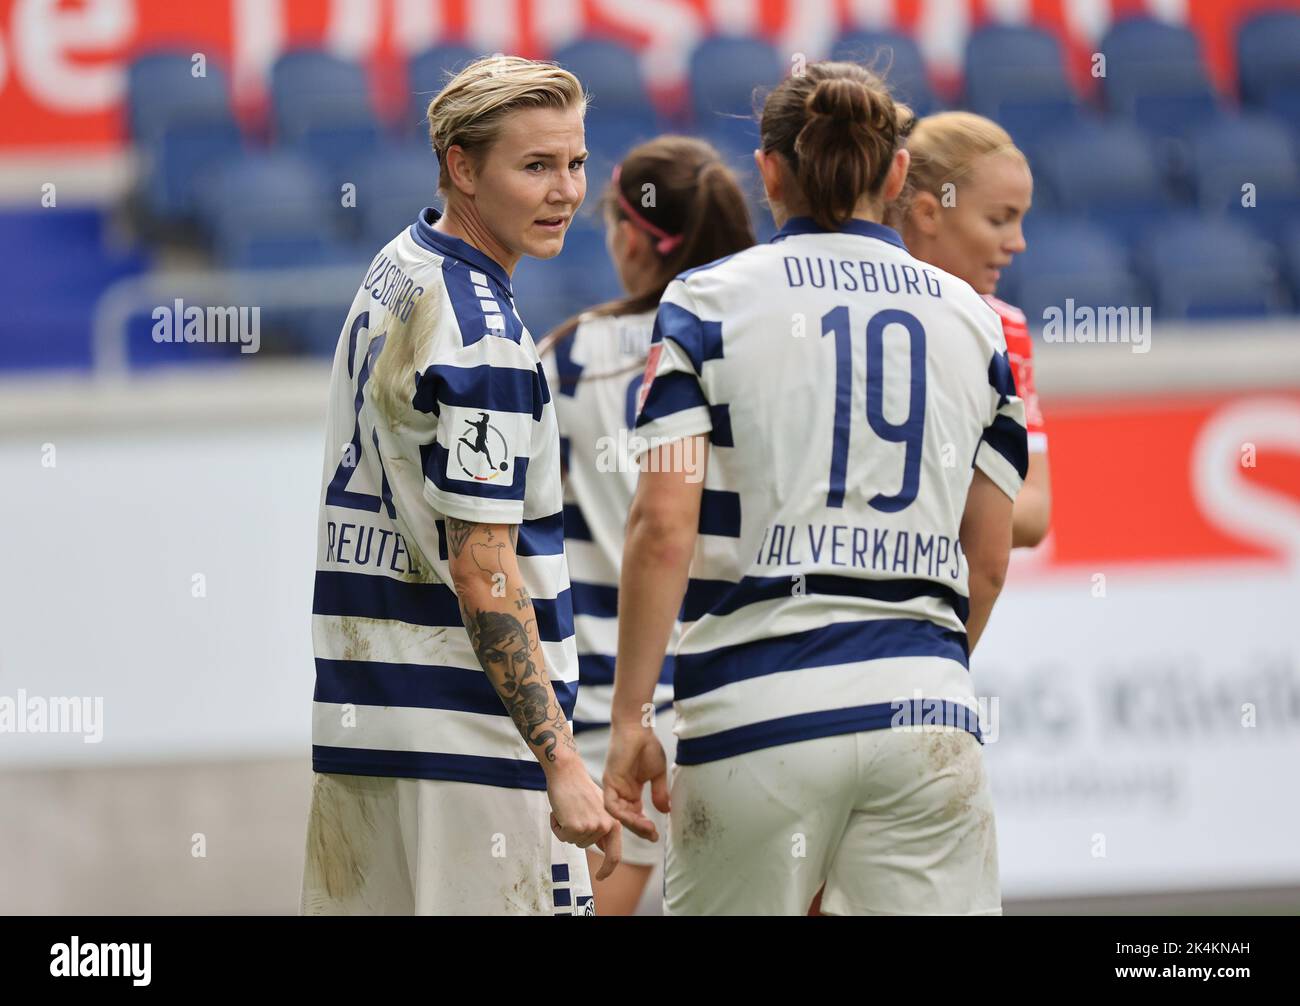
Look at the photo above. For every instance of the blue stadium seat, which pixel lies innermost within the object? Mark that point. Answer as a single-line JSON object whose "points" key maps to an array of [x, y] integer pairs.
{"points": [[610, 73], [1205, 268], [1291, 261], [177, 160], [1108, 174], [1268, 55], [161, 89], [392, 187], [1257, 150], [312, 88], [724, 72], [1156, 77], [997, 58], [896, 58], [610, 135], [590, 277], [1068, 259], [541, 296], [427, 74], [276, 198]]}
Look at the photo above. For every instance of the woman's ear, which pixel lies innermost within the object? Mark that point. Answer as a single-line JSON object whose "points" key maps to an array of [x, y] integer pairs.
{"points": [[897, 175], [923, 214], [460, 169], [769, 168], [636, 242]]}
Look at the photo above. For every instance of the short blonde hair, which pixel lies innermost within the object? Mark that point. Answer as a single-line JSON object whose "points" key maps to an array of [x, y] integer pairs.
{"points": [[468, 111], [944, 147]]}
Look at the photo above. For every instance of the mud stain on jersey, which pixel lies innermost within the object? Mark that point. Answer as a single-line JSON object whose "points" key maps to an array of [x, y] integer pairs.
{"points": [[355, 644]]}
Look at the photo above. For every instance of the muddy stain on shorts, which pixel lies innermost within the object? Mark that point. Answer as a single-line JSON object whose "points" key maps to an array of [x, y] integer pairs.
{"points": [[956, 752], [698, 827], [340, 832]]}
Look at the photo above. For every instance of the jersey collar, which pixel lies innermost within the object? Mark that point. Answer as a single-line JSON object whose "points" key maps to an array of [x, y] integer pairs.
{"points": [[444, 244], [863, 228]]}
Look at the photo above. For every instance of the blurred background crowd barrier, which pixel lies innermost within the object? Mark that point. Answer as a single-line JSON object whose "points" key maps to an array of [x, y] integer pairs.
{"points": [[1142, 672]]}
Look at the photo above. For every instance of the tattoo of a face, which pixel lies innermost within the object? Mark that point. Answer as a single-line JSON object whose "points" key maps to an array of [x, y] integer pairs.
{"points": [[505, 650]]}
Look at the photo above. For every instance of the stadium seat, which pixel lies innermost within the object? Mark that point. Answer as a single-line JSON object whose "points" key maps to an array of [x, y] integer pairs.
{"points": [[1257, 150], [1291, 261], [1016, 76], [274, 197], [312, 88], [896, 58], [427, 74], [997, 57], [392, 187], [178, 157], [725, 72], [161, 89], [1268, 56], [1205, 268], [1068, 259], [1108, 174], [589, 274], [610, 73], [1155, 76], [541, 296]]}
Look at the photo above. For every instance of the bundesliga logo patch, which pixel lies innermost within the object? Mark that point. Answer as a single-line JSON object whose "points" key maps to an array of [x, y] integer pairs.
{"points": [[481, 452]]}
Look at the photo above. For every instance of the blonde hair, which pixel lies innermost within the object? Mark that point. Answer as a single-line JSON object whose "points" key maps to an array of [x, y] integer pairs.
{"points": [[468, 111], [944, 147]]}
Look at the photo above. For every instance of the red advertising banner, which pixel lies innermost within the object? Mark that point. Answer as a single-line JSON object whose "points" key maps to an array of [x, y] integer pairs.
{"points": [[63, 62], [1199, 479]]}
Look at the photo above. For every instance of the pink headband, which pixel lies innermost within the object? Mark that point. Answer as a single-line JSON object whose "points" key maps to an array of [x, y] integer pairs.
{"points": [[667, 242]]}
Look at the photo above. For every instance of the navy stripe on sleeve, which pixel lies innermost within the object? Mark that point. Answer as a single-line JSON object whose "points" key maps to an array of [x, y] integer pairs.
{"points": [[700, 340], [1008, 438]]}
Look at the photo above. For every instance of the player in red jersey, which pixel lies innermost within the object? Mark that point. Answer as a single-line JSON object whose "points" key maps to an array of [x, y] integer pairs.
{"points": [[968, 190]]}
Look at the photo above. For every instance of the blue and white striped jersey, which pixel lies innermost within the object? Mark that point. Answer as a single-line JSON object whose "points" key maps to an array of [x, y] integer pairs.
{"points": [[848, 390], [456, 420], [595, 375]]}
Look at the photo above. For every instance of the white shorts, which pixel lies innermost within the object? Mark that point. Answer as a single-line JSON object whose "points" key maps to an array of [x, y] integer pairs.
{"points": [[385, 846], [892, 822], [593, 745]]}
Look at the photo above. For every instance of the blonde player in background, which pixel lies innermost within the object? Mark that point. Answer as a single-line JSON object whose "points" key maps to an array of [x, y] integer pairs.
{"points": [[672, 205], [968, 190], [844, 553], [448, 780]]}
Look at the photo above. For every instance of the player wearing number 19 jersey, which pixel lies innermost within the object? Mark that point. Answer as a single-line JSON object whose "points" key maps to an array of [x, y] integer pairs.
{"points": [[865, 443]]}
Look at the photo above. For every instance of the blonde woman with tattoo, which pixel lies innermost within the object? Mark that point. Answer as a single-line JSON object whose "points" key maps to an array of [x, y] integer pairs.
{"points": [[447, 780]]}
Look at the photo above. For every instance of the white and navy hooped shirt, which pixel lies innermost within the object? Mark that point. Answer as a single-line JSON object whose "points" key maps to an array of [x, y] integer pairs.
{"points": [[595, 376], [848, 391], [399, 690]]}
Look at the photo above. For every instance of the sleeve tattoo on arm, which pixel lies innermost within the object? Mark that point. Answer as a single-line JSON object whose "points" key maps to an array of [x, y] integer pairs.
{"points": [[506, 643], [504, 648]]}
